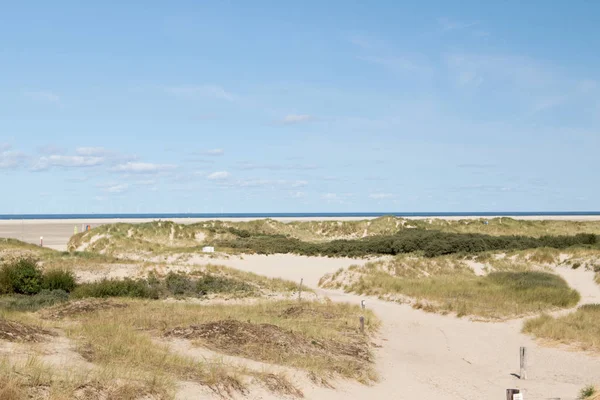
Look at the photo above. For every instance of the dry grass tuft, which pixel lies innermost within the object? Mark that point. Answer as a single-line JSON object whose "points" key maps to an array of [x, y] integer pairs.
{"points": [[320, 337], [79, 307], [580, 329], [447, 285], [18, 332], [278, 383]]}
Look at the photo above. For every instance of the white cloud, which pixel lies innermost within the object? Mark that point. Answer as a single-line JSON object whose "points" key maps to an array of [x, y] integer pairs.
{"points": [[262, 183], [91, 151], [297, 195], [146, 182], [214, 152], [10, 159], [142, 167], [43, 95], [212, 91], [219, 176], [4, 146], [66, 162], [120, 188], [296, 119], [50, 149], [296, 184], [275, 167], [380, 196], [330, 196]]}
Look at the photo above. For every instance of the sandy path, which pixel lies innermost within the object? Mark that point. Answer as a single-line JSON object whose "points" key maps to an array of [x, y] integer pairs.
{"points": [[430, 356]]}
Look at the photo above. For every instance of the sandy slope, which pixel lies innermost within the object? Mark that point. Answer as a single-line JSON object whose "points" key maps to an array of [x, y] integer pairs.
{"points": [[429, 356]]}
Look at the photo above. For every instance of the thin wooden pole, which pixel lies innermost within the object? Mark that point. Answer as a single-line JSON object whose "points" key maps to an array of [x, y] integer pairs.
{"points": [[523, 359], [511, 392], [362, 324], [300, 290]]}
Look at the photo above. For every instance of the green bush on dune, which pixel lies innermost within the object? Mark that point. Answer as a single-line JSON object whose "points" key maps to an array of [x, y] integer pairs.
{"points": [[430, 243]]}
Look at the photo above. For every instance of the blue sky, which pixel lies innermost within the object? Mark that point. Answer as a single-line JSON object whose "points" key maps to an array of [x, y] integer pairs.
{"points": [[270, 106]]}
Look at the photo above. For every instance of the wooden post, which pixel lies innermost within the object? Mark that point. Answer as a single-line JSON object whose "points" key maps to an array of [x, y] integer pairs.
{"points": [[362, 304], [511, 392], [300, 290], [523, 356], [362, 324], [41, 241]]}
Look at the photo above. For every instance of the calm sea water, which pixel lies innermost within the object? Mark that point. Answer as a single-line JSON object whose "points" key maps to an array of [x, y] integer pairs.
{"points": [[294, 215]]}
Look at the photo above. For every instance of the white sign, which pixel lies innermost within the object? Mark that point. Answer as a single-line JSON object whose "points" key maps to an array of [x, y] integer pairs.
{"points": [[518, 396]]}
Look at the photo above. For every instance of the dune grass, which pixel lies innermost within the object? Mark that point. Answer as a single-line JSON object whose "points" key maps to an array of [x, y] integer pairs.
{"points": [[328, 331], [447, 285], [32, 379], [580, 328]]}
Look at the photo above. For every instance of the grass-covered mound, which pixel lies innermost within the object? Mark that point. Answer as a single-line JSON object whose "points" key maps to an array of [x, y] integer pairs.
{"points": [[580, 329], [448, 286]]}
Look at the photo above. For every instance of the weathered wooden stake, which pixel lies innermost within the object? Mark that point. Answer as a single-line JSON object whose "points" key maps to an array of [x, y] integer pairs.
{"points": [[511, 392], [523, 353], [362, 324], [362, 304], [41, 241], [300, 290]]}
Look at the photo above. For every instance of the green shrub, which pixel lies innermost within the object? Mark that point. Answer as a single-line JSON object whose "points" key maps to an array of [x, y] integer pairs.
{"points": [[576, 265], [430, 242], [178, 284], [22, 276], [117, 288], [216, 284], [59, 279], [21, 302], [587, 392]]}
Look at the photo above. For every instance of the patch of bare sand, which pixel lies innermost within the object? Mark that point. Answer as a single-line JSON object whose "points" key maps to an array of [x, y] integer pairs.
{"points": [[430, 356]]}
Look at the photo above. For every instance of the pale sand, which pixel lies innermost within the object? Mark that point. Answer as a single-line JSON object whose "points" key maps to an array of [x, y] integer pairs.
{"points": [[430, 356], [56, 233]]}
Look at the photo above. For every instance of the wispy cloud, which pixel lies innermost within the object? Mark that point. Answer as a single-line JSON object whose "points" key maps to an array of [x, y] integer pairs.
{"points": [[50, 149], [119, 188], [381, 196], [213, 152], [142, 168], [248, 166], [91, 151], [10, 159], [292, 119], [475, 166], [56, 160], [297, 195], [211, 91], [43, 96], [476, 69], [263, 183], [218, 176]]}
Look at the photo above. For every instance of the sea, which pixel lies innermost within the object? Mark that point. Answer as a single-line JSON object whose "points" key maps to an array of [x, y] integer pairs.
{"points": [[296, 215]]}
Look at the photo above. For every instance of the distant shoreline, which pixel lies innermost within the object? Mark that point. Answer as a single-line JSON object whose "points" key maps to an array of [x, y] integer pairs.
{"points": [[187, 217]]}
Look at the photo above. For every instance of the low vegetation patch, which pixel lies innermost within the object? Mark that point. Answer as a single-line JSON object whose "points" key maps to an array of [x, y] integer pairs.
{"points": [[24, 276], [496, 295], [580, 328], [321, 338], [589, 393], [17, 332], [74, 308], [45, 298]]}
